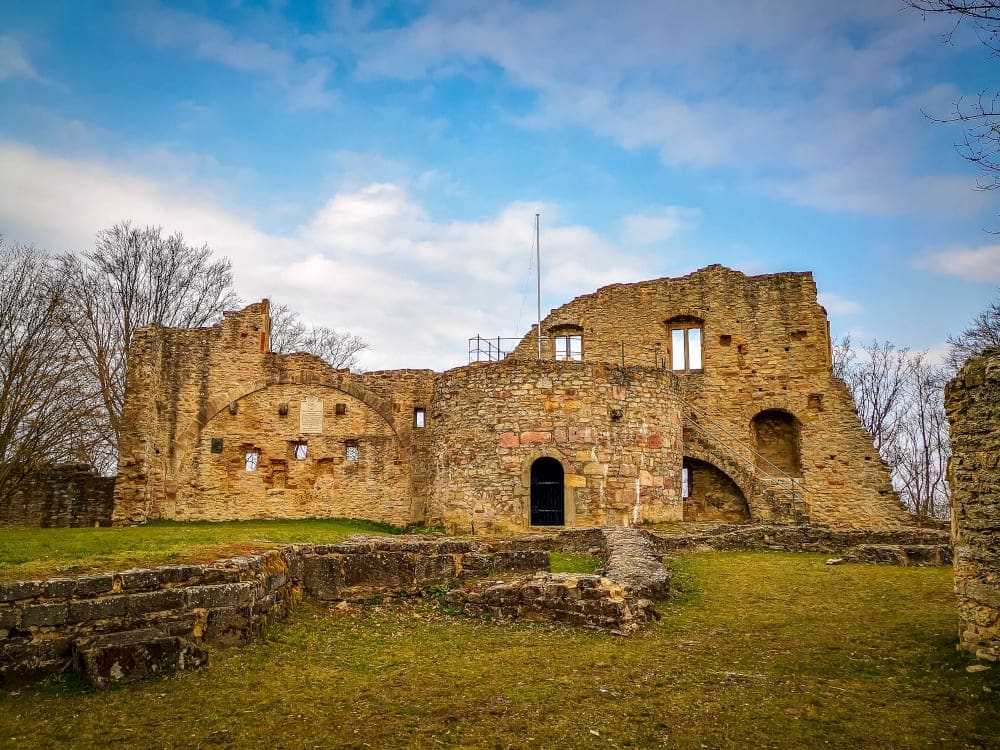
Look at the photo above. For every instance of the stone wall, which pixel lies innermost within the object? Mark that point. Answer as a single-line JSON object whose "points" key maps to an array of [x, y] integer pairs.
{"points": [[202, 405], [199, 402], [972, 401], [44, 624], [223, 603], [66, 495], [615, 431], [765, 348]]}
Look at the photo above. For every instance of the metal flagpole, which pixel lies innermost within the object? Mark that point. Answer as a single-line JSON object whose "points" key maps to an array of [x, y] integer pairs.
{"points": [[538, 273]]}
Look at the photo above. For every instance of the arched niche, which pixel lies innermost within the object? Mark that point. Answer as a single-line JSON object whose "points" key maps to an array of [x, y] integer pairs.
{"points": [[777, 438]]}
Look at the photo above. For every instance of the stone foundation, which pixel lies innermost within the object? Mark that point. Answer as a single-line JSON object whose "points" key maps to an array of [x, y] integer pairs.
{"points": [[362, 566], [48, 626], [586, 600], [972, 401], [798, 539]]}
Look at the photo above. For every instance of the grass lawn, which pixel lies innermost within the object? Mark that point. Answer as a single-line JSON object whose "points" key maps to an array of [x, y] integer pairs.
{"points": [[759, 650], [39, 553]]}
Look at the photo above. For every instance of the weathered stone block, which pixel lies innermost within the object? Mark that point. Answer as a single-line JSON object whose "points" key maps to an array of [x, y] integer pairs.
{"points": [[229, 626], [44, 615], [12, 591], [139, 579], [93, 585], [25, 660], [154, 601], [134, 655], [220, 595], [105, 608]]}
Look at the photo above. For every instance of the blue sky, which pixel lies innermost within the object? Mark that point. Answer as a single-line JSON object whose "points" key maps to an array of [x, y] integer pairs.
{"points": [[378, 166]]}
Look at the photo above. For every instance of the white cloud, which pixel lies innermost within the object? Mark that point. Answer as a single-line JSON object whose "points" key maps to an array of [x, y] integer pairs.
{"points": [[836, 304], [969, 263], [653, 228], [14, 62], [371, 261], [303, 81], [789, 96]]}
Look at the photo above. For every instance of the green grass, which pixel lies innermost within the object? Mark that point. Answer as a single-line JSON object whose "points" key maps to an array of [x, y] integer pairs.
{"points": [[37, 553], [566, 562], [757, 650]]}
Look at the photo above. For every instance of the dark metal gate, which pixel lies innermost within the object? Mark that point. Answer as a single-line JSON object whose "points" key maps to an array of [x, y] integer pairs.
{"points": [[547, 493]]}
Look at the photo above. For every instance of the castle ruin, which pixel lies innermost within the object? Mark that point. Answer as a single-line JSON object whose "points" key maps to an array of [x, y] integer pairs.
{"points": [[705, 397]]}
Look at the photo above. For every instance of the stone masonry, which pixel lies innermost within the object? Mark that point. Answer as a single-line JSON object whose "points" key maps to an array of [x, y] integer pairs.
{"points": [[73, 495], [972, 401], [753, 424], [763, 399]]}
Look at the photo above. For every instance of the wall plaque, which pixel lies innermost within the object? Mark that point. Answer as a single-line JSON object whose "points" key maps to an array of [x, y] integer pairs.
{"points": [[311, 415]]}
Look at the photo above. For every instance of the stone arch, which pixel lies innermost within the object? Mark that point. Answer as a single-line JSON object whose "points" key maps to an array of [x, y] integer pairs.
{"points": [[188, 438], [569, 493], [714, 495], [777, 440], [738, 472]]}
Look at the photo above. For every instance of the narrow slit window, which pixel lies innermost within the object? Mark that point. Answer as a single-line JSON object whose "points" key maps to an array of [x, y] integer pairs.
{"points": [[677, 338], [419, 417], [252, 459], [352, 452], [685, 482], [301, 451]]}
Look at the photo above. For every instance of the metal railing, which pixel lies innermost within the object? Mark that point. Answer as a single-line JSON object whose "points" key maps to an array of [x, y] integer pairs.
{"points": [[620, 352], [774, 476]]}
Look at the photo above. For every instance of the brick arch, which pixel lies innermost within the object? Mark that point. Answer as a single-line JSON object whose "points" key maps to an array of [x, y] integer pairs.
{"points": [[188, 438]]}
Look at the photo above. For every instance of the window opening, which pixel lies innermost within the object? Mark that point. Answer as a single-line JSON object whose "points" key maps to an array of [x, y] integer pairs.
{"points": [[685, 349], [419, 417], [301, 450], [569, 347], [352, 452], [685, 482], [252, 459]]}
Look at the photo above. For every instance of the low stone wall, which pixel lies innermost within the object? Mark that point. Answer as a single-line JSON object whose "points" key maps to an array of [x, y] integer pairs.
{"points": [[364, 566], [585, 600], [67, 495], [633, 561], [46, 625], [797, 539], [223, 603]]}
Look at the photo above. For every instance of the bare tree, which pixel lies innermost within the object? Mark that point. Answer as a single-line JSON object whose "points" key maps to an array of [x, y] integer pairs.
{"points": [[983, 333], [44, 408], [290, 334], [981, 116], [899, 397], [877, 379], [136, 277], [922, 448]]}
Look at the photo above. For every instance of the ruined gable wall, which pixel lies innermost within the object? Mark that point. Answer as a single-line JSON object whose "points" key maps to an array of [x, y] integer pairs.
{"points": [[972, 401], [181, 386], [612, 429], [765, 345]]}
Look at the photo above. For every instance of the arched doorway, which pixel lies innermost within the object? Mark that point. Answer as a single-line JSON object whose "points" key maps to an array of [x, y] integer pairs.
{"points": [[547, 505]]}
